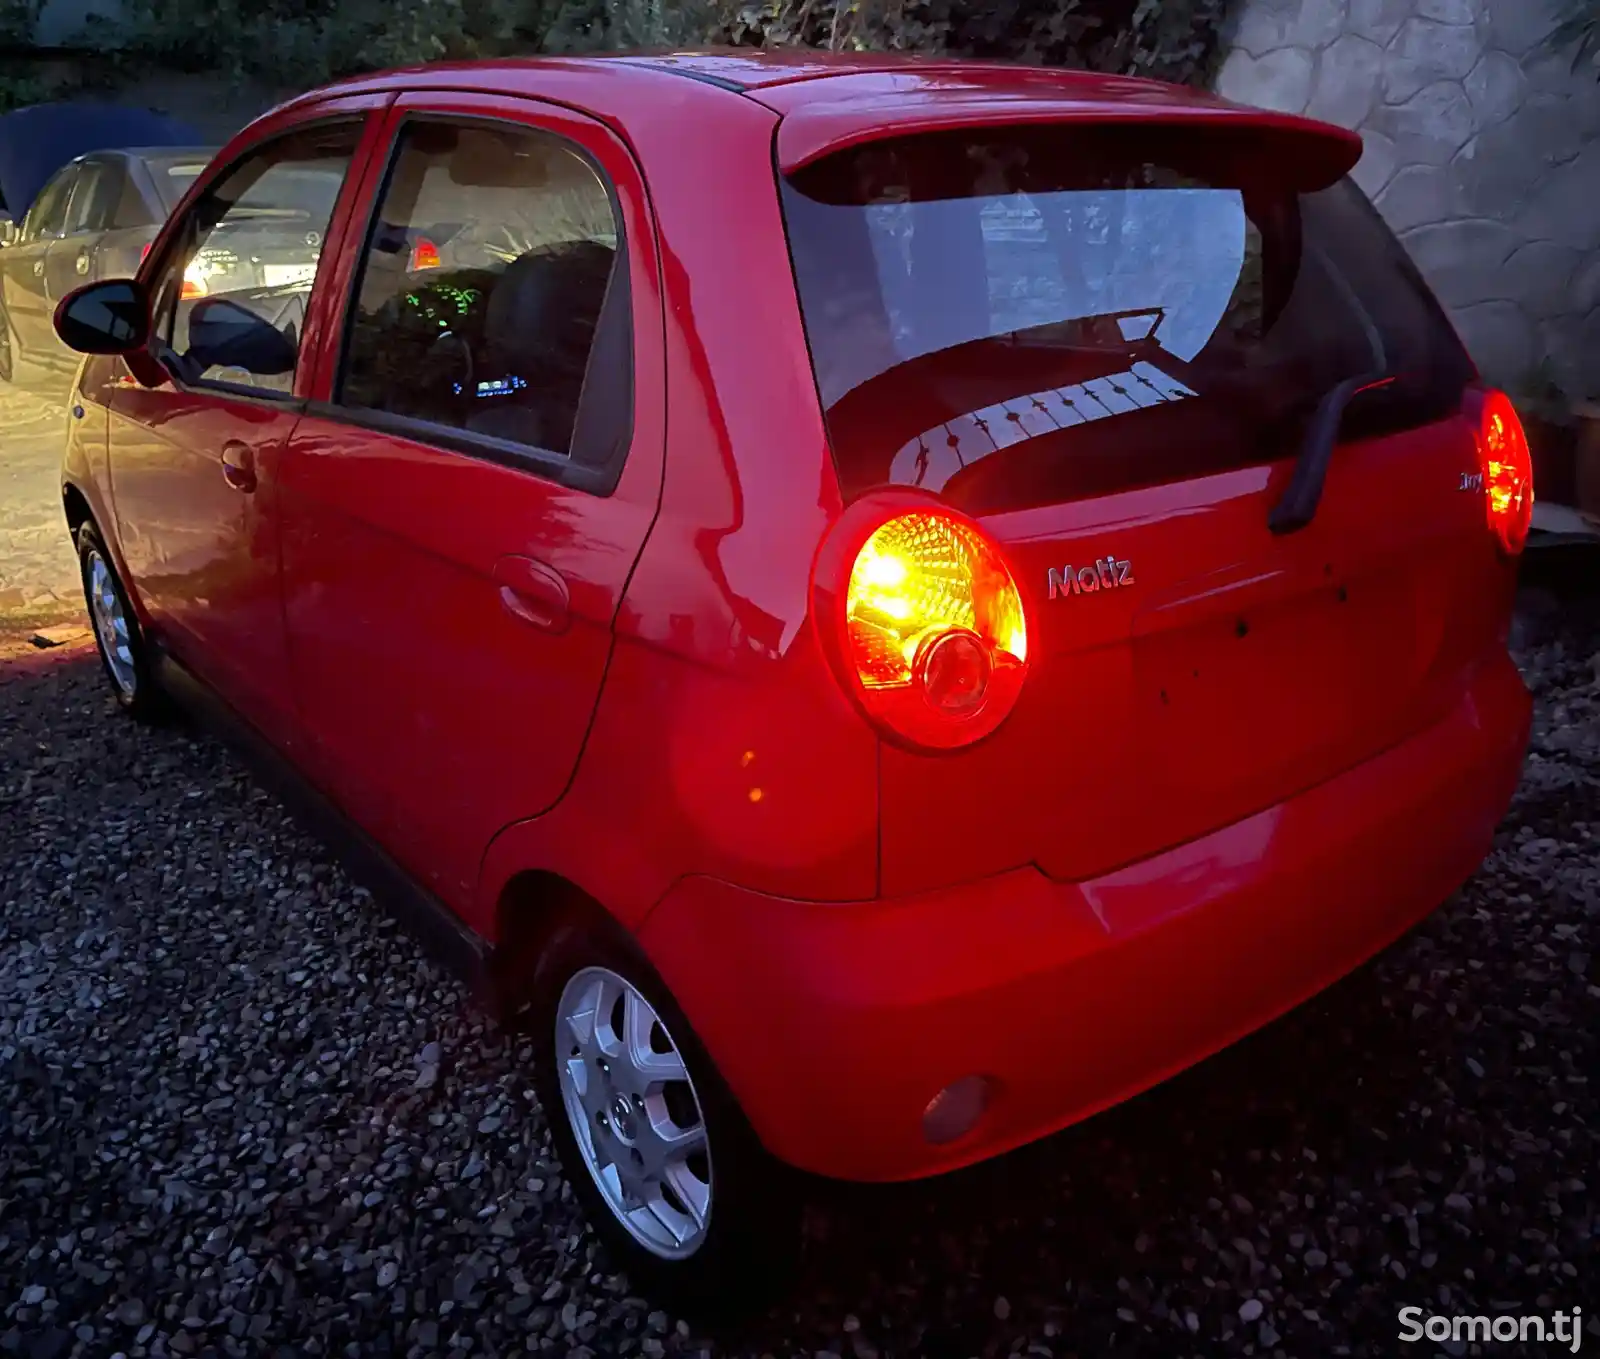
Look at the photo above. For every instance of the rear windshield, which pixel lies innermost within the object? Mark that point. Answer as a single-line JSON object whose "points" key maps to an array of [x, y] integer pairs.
{"points": [[302, 193], [1041, 315]]}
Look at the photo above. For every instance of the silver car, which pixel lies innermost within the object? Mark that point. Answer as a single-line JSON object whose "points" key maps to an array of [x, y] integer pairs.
{"points": [[94, 219]]}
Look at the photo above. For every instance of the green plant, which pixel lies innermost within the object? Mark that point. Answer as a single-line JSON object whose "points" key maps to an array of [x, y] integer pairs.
{"points": [[1170, 39], [1579, 33], [318, 39]]}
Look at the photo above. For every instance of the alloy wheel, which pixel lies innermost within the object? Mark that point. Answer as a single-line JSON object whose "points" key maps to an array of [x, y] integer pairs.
{"points": [[110, 623], [634, 1112]]}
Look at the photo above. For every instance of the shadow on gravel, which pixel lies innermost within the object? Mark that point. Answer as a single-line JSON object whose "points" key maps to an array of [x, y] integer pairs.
{"points": [[298, 1141], [1060, 1227]]}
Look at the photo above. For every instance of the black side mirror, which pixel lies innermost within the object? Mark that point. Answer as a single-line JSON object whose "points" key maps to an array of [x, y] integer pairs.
{"points": [[223, 334], [104, 318]]}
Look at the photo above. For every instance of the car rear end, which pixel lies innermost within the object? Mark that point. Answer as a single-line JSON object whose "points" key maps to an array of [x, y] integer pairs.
{"points": [[1166, 745]]}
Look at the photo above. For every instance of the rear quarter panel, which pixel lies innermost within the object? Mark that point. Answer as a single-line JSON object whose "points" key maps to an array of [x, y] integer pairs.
{"points": [[722, 745]]}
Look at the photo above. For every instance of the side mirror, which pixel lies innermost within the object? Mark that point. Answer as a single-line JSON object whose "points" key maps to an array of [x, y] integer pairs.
{"points": [[112, 317], [223, 334]]}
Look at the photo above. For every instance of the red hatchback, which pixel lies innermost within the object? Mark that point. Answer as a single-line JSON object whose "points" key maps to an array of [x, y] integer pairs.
{"points": [[887, 605]]}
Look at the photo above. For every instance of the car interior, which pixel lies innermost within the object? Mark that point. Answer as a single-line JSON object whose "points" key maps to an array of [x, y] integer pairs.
{"points": [[488, 298]]}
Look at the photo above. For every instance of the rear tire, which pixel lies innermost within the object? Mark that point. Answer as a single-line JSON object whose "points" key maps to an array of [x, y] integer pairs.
{"points": [[124, 653], [716, 1231]]}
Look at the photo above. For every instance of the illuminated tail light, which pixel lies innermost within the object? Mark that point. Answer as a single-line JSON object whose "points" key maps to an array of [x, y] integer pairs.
{"points": [[923, 622], [1507, 468], [424, 255]]}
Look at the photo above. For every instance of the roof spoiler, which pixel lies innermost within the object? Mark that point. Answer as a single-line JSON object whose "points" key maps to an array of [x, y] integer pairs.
{"points": [[1316, 154]]}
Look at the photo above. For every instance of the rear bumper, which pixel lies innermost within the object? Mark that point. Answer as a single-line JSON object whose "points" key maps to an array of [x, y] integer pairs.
{"points": [[834, 1025]]}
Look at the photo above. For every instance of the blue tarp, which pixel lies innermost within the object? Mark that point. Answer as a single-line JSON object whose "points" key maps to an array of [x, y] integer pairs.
{"points": [[38, 140]]}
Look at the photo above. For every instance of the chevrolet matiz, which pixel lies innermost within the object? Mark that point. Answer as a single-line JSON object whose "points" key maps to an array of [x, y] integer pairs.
{"points": [[883, 606]]}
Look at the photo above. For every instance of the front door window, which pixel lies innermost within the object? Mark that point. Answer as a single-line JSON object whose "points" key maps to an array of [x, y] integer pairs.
{"points": [[230, 305]]}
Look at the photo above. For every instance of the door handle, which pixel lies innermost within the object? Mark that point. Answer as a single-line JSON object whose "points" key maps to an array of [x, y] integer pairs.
{"points": [[239, 466], [533, 593], [38, 268], [82, 262]]}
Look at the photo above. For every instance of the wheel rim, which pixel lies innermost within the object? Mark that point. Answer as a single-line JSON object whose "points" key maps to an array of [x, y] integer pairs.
{"points": [[111, 625], [634, 1112]]}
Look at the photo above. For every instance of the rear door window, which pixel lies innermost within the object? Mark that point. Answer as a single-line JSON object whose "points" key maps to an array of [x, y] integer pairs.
{"points": [[47, 218], [93, 196], [490, 311], [1046, 314]]}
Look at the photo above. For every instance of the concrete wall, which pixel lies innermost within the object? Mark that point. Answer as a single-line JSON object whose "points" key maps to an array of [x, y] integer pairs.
{"points": [[1483, 152]]}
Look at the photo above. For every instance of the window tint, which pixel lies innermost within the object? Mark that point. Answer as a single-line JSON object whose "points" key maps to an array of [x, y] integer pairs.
{"points": [[252, 241], [48, 215], [1041, 314], [490, 300]]}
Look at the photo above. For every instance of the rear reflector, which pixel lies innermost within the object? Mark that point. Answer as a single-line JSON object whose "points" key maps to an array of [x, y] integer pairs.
{"points": [[955, 1110]]}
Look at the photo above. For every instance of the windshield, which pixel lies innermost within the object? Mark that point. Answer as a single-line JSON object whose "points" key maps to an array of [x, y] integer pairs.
{"points": [[1044, 314]]}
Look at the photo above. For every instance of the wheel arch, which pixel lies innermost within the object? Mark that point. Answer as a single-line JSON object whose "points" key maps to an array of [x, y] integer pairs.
{"points": [[531, 906], [75, 504]]}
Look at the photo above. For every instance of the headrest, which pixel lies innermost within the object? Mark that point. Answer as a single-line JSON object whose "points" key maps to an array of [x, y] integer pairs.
{"points": [[543, 309]]}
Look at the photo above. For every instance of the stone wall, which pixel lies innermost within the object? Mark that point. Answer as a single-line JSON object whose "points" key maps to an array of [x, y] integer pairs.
{"points": [[1483, 152]]}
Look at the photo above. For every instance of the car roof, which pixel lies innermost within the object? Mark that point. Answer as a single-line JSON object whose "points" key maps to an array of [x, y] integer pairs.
{"points": [[832, 100], [754, 70]]}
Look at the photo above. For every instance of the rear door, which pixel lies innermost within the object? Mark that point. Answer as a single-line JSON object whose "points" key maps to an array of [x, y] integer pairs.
{"points": [[463, 507], [26, 297], [69, 262], [1107, 345]]}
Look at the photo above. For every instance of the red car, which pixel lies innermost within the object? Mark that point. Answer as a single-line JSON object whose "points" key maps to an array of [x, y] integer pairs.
{"points": [[888, 605]]}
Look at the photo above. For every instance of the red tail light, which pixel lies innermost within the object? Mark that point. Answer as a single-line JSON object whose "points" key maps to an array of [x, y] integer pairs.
{"points": [[922, 621], [424, 255], [1507, 468], [143, 251]]}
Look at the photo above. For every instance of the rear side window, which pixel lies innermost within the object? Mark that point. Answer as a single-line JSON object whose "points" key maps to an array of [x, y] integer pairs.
{"points": [[48, 215], [491, 306], [1046, 314], [93, 196]]}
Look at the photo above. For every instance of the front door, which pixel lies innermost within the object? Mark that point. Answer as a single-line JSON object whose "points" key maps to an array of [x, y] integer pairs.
{"points": [[460, 517], [195, 458]]}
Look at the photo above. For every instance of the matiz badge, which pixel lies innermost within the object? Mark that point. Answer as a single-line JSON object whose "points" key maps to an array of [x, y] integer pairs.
{"points": [[1106, 574]]}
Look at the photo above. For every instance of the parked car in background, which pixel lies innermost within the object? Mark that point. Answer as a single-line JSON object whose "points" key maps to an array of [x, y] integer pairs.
{"points": [[85, 187], [882, 606]]}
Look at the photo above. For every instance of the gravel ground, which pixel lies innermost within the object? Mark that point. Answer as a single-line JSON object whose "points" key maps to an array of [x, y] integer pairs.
{"points": [[243, 1115]]}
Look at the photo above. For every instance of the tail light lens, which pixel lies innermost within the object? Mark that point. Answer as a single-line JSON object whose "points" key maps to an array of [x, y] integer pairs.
{"points": [[424, 255], [923, 622], [1507, 468]]}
